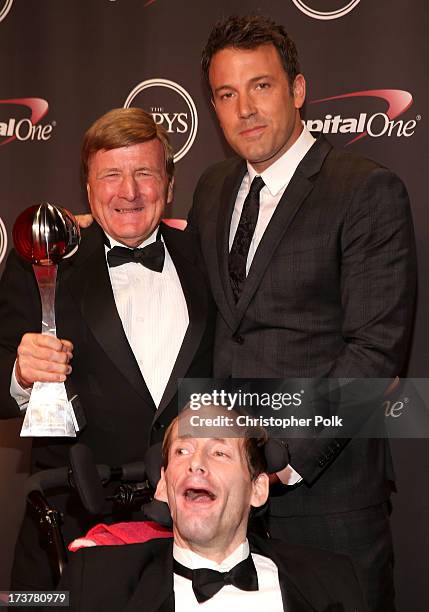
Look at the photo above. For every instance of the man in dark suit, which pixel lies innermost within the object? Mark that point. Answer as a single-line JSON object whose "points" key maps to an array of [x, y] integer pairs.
{"points": [[310, 256], [210, 485], [131, 329]]}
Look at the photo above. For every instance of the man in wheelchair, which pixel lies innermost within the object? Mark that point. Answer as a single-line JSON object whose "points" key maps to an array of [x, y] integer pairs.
{"points": [[212, 563]]}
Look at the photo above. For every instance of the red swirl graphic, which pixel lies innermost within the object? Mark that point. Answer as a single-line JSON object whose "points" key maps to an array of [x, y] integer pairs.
{"points": [[398, 101], [38, 106]]}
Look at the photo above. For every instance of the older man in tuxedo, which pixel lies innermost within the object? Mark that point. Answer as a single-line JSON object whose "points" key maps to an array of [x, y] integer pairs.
{"points": [[311, 260], [210, 485], [133, 315]]}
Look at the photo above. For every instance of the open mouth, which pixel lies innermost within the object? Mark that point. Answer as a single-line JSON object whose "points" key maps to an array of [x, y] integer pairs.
{"points": [[129, 210], [199, 495]]}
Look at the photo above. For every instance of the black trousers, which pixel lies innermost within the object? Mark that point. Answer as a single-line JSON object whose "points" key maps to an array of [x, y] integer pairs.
{"points": [[364, 535]]}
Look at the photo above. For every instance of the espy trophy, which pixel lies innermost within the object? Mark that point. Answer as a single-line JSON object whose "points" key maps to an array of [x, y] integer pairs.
{"points": [[43, 235]]}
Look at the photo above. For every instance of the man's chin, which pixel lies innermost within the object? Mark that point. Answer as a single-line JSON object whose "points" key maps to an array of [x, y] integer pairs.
{"points": [[254, 154], [197, 534], [127, 236], [195, 521]]}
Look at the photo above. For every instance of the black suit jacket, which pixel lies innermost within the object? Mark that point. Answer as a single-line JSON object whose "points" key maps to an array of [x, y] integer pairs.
{"points": [[121, 416], [139, 577], [330, 293]]}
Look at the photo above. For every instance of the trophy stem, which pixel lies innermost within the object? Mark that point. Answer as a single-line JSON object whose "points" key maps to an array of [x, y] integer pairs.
{"points": [[49, 411], [46, 277]]}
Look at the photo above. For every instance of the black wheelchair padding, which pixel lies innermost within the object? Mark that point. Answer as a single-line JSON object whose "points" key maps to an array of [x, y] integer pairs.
{"points": [[88, 478]]}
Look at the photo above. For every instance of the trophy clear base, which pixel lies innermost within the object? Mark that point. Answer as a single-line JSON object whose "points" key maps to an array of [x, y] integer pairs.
{"points": [[49, 412]]}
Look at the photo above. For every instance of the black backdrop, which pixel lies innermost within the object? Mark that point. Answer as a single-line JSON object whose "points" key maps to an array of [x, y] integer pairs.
{"points": [[63, 63]]}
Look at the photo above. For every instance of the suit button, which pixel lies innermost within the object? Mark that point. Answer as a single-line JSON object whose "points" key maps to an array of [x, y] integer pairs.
{"points": [[238, 339]]}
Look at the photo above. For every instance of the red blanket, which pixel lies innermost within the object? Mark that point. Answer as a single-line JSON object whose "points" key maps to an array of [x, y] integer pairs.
{"points": [[120, 533]]}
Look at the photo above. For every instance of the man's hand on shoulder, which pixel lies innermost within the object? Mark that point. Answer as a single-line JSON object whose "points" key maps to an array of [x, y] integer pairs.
{"points": [[43, 358], [84, 221]]}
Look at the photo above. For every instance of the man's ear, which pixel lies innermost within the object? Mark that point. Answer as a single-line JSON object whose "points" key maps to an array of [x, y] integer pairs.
{"points": [[170, 190], [161, 488], [260, 490], [298, 90]]}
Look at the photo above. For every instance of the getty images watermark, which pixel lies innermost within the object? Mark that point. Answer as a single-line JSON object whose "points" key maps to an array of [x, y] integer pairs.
{"points": [[305, 408], [240, 400]]}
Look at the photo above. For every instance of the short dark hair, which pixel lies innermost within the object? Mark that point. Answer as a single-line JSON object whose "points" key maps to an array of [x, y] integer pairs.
{"points": [[249, 32], [253, 447], [122, 127]]}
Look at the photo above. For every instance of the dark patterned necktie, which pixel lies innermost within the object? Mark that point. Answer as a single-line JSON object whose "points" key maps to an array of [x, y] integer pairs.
{"points": [[243, 237], [207, 582], [151, 256]]}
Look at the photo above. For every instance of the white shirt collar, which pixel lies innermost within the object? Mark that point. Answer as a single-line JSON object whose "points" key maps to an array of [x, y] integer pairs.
{"points": [[281, 171], [190, 559]]}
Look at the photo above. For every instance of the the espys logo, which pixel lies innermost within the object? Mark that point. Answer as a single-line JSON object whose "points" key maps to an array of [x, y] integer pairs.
{"points": [[3, 240], [171, 106], [14, 126], [333, 9], [363, 124], [5, 7]]}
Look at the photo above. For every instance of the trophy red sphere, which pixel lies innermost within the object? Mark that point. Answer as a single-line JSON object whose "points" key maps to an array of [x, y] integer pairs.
{"points": [[45, 234]]}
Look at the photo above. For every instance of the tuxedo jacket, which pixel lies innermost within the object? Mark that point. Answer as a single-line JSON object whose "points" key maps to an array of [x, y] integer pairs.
{"points": [[121, 416], [330, 293], [139, 578]]}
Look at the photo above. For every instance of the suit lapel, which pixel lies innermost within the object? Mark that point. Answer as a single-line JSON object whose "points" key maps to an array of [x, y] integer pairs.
{"points": [[304, 594], [293, 588], [154, 592], [87, 279], [180, 249], [293, 597], [301, 588], [227, 201], [295, 194]]}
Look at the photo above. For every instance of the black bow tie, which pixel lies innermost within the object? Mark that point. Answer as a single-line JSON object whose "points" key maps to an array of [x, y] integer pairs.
{"points": [[151, 256], [207, 582]]}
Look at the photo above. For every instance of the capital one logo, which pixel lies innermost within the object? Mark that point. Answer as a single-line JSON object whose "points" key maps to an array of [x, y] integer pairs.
{"points": [[3, 240], [5, 7], [15, 124], [333, 9], [384, 123], [172, 107]]}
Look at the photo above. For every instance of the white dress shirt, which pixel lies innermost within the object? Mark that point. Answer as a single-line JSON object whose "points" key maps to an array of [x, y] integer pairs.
{"points": [[276, 178], [267, 597], [154, 315], [19, 394]]}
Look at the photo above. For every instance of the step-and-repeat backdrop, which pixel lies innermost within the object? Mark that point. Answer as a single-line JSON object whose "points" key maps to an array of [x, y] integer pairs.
{"points": [[63, 63]]}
